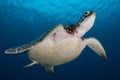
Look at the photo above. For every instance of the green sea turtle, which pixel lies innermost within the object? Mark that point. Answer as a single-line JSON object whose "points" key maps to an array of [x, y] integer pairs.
{"points": [[61, 44]]}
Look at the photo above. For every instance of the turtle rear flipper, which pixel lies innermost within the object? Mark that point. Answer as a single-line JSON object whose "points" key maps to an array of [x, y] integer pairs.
{"points": [[49, 69], [18, 49], [31, 64]]}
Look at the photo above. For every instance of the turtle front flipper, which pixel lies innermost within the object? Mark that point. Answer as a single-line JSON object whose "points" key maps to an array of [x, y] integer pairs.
{"points": [[96, 46], [18, 49]]}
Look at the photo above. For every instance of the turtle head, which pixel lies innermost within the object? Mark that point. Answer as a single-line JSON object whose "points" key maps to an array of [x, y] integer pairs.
{"points": [[85, 23]]}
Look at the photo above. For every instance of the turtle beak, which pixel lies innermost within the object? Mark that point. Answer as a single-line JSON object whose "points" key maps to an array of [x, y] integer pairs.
{"points": [[86, 22]]}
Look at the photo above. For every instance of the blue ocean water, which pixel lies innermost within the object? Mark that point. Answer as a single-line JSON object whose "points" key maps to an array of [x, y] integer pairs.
{"points": [[22, 21]]}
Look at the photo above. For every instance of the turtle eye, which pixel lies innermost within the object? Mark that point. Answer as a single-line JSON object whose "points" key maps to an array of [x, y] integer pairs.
{"points": [[86, 13]]}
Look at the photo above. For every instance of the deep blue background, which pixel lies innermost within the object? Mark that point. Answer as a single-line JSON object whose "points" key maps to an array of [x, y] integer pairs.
{"points": [[22, 21]]}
